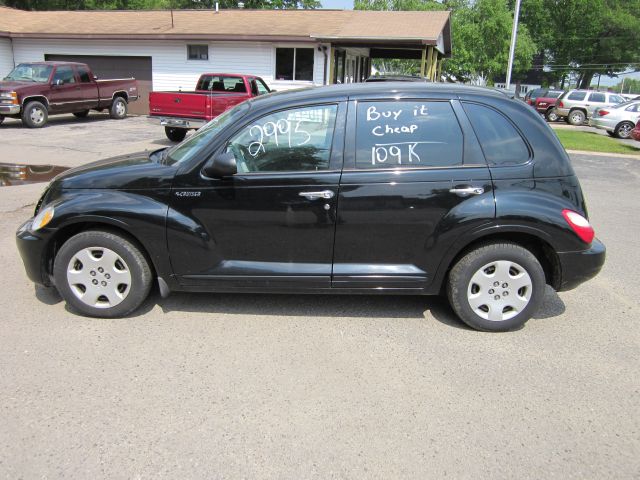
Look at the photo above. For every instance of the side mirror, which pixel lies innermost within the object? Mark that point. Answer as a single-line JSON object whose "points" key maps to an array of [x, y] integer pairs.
{"points": [[58, 83], [95, 77], [221, 165]]}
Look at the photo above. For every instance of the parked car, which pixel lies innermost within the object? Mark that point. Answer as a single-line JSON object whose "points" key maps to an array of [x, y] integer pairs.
{"points": [[180, 111], [387, 188], [576, 106], [635, 133], [33, 91], [618, 120], [545, 104]]}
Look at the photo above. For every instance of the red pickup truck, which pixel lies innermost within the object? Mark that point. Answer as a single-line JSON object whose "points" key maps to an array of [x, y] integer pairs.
{"points": [[179, 112], [33, 91]]}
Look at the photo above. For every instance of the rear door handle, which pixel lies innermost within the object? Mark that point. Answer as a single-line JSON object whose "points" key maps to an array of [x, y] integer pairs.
{"points": [[326, 194], [467, 191]]}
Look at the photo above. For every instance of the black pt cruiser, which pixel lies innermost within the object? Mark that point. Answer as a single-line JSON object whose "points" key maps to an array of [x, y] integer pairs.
{"points": [[391, 188]]}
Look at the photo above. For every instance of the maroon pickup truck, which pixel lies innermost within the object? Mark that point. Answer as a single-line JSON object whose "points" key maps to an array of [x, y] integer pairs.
{"points": [[33, 91], [180, 112]]}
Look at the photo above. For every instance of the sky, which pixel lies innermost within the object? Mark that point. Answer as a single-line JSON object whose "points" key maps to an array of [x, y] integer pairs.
{"points": [[338, 4]]}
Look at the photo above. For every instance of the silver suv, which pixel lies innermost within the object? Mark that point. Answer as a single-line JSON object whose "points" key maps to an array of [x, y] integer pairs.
{"points": [[578, 105]]}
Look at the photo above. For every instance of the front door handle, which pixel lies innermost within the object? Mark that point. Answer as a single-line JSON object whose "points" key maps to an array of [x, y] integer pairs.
{"points": [[326, 194], [467, 191]]}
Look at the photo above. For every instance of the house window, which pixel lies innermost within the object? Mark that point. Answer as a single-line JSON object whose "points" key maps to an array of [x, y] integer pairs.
{"points": [[198, 52], [294, 64]]}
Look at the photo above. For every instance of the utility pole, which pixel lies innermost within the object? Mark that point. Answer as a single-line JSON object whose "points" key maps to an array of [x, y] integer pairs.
{"points": [[512, 48]]}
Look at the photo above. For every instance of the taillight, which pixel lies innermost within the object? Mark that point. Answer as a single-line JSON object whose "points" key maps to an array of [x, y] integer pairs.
{"points": [[602, 113], [579, 225], [560, 104]]}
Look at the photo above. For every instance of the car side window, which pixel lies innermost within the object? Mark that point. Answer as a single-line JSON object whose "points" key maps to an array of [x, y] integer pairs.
{"points": [[294, 140], [500, 141], [83, 73], [633, 108], [616, 99], [407, 134], [234, 84], [577, 96], [597, 98], [64, 74]]}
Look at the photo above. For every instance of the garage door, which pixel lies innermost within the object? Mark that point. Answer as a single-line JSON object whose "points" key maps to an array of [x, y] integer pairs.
{"points": [[106, 67]]}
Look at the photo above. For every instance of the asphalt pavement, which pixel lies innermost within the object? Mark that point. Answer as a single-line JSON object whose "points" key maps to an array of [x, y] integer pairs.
{"points": [[315, 387]]}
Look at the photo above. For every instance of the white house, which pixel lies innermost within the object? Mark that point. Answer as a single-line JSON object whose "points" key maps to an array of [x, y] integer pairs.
{"points": [[169, 50]]}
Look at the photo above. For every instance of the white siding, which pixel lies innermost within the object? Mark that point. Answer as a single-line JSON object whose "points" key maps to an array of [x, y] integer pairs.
{"points": [[171, 69], [6, 57]]}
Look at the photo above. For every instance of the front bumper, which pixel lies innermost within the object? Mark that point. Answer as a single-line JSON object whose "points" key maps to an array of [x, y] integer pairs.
{"points": [[6, 109], [177, 122], [33, 247], [578, 267]]}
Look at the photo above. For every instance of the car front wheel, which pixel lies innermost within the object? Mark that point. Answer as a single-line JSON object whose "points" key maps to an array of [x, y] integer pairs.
{"points": [[35, 115], [623, 130], [496, 287], [102, 274]]}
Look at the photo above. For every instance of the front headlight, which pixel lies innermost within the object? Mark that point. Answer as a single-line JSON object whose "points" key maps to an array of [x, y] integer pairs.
{"points": [[43, 218], [9, 97]]}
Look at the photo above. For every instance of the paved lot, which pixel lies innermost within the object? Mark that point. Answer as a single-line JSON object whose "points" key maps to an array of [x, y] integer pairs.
{"points": [[292, 387]]}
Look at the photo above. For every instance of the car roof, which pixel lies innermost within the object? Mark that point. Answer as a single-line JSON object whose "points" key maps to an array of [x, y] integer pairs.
{"points": [[380, 89], [52, 63]]}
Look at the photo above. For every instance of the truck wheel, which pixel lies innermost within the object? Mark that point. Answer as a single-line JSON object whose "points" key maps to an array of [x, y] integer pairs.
{"points": [[118, 108], [175, 134], [81, 114], [551, 115], [1, 119], [102, 274], [496, 287], [576, 117], [35, 115]]}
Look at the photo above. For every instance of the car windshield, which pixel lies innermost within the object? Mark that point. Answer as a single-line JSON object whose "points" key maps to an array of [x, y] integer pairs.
{"points": [[30, 72], [194, 144]]}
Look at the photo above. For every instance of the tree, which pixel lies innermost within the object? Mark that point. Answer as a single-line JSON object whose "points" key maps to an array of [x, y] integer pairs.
{"points": [[481, 33]]}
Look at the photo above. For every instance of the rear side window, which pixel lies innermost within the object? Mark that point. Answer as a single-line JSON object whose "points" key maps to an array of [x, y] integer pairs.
{"points": [[616, 99], [407, 134], [500, 141], [554, 94], [597, 98], [577, 96]]}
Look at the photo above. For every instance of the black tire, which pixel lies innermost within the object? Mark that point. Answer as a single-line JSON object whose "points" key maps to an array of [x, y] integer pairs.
{"points": [[460, 286], [129, 259], [175, 134], [35, 115], [623, 130], [611, 134], [82, 114], [118, 109], [576, 117], [552, 115], [1, 119]]}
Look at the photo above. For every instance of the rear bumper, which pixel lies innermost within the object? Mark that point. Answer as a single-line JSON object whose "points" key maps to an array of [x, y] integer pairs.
{"points": [[9, 109], [32, 247], [177, 122], [603, 123], [578, 267]]}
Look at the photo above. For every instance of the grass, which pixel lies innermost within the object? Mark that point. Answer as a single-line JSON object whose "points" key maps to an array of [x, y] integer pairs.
{"points": [[593, 142]]}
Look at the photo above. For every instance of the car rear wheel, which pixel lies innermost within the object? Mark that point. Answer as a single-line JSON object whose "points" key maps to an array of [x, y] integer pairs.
{"points": [[175, 134], [35, 115], [81, 114], [102, 274], [118, 108], [576, 117], [496, 287], [552, 115], [623, 130], [1, 119]]}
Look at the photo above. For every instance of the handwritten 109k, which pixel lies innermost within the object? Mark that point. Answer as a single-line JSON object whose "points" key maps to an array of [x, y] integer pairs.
{"points": [[396, 151]]}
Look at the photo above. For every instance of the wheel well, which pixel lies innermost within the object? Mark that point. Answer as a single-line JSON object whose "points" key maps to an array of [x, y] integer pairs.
{"points": [[544, 252], [122, 95], [42, 100], [583, 110], [69, 231]]}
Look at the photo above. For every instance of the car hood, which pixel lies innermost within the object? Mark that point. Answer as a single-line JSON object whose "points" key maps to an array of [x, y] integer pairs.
{"points": [[128, 172], [15, 85]]}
